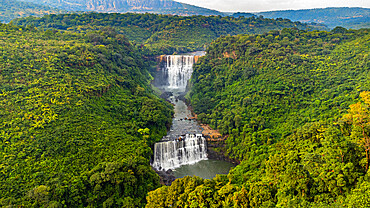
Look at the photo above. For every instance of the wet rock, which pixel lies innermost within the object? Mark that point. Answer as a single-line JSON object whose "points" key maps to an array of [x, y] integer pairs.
{"points": [[166, 95], [166, 177]]}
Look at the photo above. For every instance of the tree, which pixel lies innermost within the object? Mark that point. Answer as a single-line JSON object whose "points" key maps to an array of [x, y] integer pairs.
{"points": [[358, 116]]}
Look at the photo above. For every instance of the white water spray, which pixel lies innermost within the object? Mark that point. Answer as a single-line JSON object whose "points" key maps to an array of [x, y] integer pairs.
{"points": [[173, 154], [179, 150], [179, 69]]}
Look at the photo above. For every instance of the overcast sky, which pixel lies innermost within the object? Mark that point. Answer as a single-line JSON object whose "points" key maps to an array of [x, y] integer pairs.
{"points": [[268, 5]]}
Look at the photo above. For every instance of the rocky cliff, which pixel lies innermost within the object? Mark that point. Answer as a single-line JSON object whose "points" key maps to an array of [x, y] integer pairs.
{"points": [[131, 5], [141, 6]]}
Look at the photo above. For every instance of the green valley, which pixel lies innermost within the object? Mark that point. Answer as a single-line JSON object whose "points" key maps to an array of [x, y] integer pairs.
{"points": [[285, 100], [80, 114]]}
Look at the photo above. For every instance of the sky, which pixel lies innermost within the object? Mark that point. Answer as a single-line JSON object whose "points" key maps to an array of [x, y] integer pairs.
{"points": [[269, 5]]}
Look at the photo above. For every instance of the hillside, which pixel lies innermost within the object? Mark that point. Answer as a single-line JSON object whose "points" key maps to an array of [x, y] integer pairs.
{"points": [[296, 108], [77, 119], [11, 9], [121, 6], [336, 16], [162, 34], [286, 78]]}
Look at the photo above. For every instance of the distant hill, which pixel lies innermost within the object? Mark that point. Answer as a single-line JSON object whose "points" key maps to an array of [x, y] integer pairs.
{"points": [[10, 9], [242, 14], [313, 25], [140, 6], [354, 17]]}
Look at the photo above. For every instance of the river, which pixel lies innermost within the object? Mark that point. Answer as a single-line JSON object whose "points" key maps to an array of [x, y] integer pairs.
{"points": [[179, 151]]}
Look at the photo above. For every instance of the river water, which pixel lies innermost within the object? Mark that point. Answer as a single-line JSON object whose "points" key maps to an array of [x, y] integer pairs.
{"points": [[171, 79]]}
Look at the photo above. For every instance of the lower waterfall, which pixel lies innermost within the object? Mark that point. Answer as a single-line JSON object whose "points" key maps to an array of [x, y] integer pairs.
{"points": [[173, 154]]}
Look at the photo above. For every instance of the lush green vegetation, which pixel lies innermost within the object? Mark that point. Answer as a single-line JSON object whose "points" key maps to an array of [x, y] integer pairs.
{"points": [[354, 17], [162, 34], [78, 116], [11, 9], [77, 119], [288, 78], [286, 101]]}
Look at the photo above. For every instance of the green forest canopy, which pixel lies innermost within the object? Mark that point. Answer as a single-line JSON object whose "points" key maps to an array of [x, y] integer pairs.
{"points": [[78, 109], [162, 34], [285, 99], [74, 107]]}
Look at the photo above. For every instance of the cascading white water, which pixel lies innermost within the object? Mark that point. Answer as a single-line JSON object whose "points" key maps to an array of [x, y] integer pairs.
{"points": [[173, 154], [187, 156], [179, 69]]}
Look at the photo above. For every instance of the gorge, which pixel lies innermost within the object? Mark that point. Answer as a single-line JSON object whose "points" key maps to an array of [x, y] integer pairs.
{"points": [[184, 146]]}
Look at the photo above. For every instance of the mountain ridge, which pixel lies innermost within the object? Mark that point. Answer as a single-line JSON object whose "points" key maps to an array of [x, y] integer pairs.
{"points": [[10, 9], [121, 6], [350, 17]]}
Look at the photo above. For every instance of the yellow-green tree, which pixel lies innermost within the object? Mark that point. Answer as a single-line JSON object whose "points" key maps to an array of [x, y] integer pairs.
{"points": [[359, 116]]}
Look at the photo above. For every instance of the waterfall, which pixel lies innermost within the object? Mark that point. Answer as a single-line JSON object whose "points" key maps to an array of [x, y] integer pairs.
{"points": [[176, 149], [173, 154], [179, 69]]}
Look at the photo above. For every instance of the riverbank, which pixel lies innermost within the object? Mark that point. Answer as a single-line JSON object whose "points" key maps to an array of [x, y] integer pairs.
{"points": [[216, 146]]}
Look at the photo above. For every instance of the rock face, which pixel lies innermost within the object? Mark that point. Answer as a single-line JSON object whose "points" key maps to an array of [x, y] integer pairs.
{"points": [[107, 6], [141, 6], [147, 4], [131, 5]]}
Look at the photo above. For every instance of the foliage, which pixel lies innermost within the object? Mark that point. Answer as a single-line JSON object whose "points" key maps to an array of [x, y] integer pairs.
{"points": [[78, 116], [161, 34], [283, 97], [72, 106], [248, 84], [359, 116]]}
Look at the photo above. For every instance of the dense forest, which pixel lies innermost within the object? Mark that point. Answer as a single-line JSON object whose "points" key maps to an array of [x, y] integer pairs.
{"points": [[162, 34], [78, 115], [296, 108], [11, 9], [77, 120]]}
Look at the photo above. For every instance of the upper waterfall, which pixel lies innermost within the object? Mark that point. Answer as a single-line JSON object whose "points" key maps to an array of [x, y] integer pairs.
{"points": [[179, 69]]}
